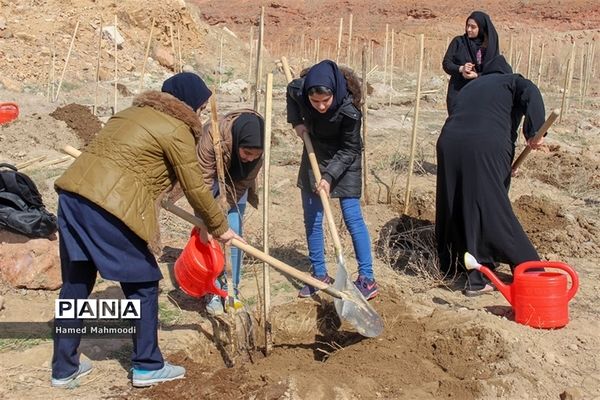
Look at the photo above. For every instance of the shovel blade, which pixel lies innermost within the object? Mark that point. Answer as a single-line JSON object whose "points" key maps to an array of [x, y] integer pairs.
{"points": [[354, 308]]}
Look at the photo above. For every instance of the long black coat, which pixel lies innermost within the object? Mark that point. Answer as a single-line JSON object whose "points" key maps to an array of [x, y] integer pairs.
{"points": [[336, 140], [456, 55], [474, 157]]}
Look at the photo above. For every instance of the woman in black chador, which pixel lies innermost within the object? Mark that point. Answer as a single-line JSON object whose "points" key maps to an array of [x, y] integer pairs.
{"points": [[474, 156], [468, 53]]}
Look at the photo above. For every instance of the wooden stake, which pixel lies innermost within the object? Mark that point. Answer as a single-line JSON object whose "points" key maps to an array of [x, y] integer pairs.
{"points": [[99, 56], [588, 71], [179, 49], [29, 162], [391, 67], [349, 41], [339, 42], [53, 94], [175, 69], [259, 56], [50, 72], [221, 60], [567, 84], [581, 76], [146, 56], [510, 50], [385, 53], [402, 56], [216, 139], [570, 80], [539, 75], [286, 69], [365, 110], [116, 69], [413, 144], [530, 58], [251, 46], [62, 76], [266, 204]]}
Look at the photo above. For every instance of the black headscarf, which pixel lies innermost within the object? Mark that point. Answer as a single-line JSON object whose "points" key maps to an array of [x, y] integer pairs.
{"points": [[326, 73], [248, 131], [497, 65], [486, 27], [189, 88]]}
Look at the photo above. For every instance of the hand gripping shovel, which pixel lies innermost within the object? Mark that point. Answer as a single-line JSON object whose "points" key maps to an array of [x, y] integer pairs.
{"points": [[349, 303], [542, 132], [346, 310]]}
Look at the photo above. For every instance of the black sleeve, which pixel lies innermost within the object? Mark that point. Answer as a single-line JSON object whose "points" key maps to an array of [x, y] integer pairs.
{"points": [[350, 149], [448, 63], [294, 116], [529, 100]]}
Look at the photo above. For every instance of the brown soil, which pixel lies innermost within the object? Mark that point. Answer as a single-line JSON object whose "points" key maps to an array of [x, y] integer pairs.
{"points": [[80, 119]]}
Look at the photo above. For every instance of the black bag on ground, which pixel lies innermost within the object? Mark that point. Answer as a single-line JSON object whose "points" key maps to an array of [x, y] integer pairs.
{"points": [[21, 207]]}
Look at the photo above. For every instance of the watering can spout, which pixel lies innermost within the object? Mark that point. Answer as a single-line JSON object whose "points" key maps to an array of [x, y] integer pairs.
{"points": [[472, 263]]}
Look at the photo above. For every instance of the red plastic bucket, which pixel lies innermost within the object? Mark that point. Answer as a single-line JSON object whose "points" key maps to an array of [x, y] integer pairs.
{"points": [[8, 112], [198, 266]]}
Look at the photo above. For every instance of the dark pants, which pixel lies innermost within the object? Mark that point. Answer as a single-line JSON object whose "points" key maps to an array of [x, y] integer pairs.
{"points": [[78, 282]]}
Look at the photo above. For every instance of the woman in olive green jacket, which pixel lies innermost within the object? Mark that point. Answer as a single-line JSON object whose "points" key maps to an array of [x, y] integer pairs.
{"points": [[109, 200]]}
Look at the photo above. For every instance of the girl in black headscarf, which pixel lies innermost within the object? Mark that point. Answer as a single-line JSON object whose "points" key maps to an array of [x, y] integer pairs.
{"points": [[323, 103], [242, 143], [475, 152], [468, 53]]}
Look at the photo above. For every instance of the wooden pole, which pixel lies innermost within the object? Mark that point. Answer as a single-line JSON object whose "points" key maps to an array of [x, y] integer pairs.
{"points": [[259, 56], [173, 48], [266, 204], [98, 68], [588, 71], [349, 41], [567, 84], [146, 56], [216, 139], [413, 144], [402, 56], [510, 50], [116, 68], [317, 45], [570, 80], [179, 49], [302, 50], [339, 41], [365, 110], [541, 63], [581, 76], [391, 68], [221, 60], [251, 40], [385, 53], [53, 91], [286, 69], [62, 76], [530, 57]]}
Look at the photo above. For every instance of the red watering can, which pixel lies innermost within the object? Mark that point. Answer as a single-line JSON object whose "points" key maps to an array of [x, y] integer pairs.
{"points": [[539, 298], [198, 266]]}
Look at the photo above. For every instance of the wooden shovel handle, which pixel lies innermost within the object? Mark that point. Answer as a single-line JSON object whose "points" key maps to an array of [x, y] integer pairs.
{"points": [[544, 128], [324, 198], [275, 263]]}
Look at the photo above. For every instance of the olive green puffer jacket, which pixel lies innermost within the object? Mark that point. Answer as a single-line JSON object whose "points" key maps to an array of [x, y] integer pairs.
{"points": [[139, 155]]}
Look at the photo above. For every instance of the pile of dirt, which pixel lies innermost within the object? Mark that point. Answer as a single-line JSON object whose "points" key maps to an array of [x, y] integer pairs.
{"points": [[555, 232], [79, 118], [419, 358]]}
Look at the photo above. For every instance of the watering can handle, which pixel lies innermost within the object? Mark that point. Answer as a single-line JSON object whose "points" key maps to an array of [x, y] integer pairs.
{"points": [[562, 266]]}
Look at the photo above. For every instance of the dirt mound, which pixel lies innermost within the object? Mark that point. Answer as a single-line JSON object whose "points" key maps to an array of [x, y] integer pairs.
{"points": [[80, 119], [576, 173], [554, 232], [432, 357]]}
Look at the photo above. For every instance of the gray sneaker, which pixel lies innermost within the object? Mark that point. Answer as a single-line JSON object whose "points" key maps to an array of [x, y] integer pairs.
{"points": [[85, 367], [143, 378], [215, 307]]}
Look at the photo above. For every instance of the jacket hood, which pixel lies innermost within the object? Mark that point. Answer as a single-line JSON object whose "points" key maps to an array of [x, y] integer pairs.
{"points": [[169, 104]]}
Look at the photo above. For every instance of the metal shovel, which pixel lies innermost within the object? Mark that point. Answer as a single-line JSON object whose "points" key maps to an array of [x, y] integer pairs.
{"points": [[350, 305]]}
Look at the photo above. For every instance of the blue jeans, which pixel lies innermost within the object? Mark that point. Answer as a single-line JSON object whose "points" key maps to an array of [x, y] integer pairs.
{"points": [[355, 223], [235, 216]]}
